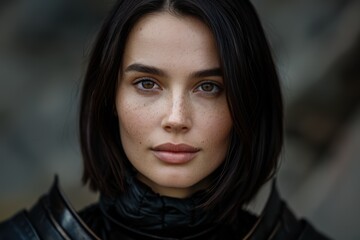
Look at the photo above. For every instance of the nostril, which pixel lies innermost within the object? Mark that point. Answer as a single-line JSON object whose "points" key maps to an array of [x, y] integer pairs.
{"points": [[176, 126]]}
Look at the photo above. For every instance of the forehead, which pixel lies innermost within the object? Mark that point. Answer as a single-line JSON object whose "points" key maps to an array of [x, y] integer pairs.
{"points": [[163, 24], [167, 38]]}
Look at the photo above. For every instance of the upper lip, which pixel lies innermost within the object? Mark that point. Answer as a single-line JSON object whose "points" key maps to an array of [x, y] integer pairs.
{"points": [[177, 148]]}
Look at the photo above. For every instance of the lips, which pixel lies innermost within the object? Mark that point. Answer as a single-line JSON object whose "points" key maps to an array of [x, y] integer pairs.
{"points": [[175, 153]]}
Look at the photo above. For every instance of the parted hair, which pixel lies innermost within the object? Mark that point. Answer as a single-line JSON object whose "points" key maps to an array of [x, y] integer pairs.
{"points": [[251, 85]]}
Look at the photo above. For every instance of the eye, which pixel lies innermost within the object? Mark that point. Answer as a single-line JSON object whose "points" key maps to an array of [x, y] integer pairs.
{"points": [[146, 84], [209, 87]]}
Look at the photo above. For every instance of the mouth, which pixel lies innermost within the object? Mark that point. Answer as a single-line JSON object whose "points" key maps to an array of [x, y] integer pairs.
{"points": [[175, 153]]}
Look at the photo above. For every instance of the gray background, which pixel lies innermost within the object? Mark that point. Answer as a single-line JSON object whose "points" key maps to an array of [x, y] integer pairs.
{"points": [[44, 46]]}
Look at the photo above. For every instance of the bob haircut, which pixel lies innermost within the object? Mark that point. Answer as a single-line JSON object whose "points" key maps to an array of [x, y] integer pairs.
{"points": [[251, 85]]}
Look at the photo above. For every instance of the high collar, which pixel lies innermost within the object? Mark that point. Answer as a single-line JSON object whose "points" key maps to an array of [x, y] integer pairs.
{"points": [[141, 208]]}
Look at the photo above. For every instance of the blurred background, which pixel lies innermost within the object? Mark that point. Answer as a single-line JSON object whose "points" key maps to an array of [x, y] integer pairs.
{"points": [[44, 47]]}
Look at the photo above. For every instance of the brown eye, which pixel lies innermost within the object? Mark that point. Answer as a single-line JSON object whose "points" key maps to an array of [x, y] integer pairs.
{"points": [[209, 87], [146, 84]]}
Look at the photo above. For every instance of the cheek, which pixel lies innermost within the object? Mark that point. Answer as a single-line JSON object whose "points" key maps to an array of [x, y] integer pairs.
{"points": [[135, 119], [129, 117], [215, 128], [218, 124]]}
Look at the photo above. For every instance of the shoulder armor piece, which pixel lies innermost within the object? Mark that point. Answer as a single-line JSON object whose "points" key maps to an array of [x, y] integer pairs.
{"points": [[52, 217], [277, 222]]}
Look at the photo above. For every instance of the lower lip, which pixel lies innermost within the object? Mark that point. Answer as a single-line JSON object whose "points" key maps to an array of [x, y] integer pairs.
{"points": [[175, 157]]}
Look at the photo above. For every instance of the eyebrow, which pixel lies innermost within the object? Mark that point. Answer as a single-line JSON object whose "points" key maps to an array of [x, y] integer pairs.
{"points": [[207, 73], [138, 67]]}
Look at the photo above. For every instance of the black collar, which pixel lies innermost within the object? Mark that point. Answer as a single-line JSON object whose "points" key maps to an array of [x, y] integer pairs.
{"points": [[70, 226]]}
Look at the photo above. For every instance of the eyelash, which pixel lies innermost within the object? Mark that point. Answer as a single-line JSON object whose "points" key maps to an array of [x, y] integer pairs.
{"points": [[216, 88]]}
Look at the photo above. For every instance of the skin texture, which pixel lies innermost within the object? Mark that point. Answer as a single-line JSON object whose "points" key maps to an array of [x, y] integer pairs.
{"points": [[173, 99]]}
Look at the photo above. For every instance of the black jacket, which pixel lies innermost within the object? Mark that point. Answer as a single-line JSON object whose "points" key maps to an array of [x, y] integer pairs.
{"points": [[52, 217]]}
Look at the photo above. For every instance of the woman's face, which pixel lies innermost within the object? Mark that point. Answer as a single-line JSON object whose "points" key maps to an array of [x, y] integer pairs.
{"points": [[173, 116]]}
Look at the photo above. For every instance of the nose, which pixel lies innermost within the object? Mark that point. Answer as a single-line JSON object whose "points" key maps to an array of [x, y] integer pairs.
{"points": [[178, 114]]}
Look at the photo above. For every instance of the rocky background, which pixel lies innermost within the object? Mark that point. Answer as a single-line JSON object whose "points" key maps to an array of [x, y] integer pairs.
{"points": [[44, 46]]}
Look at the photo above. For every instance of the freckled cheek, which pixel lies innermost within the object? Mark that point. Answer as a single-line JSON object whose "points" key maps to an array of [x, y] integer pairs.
{"points": [[135, 121]]}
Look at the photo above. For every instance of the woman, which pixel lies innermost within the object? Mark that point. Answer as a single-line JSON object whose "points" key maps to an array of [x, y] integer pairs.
{"points": [[180, 128]]}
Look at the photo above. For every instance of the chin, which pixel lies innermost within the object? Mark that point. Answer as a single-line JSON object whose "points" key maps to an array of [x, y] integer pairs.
{"points": [[176, 182]]}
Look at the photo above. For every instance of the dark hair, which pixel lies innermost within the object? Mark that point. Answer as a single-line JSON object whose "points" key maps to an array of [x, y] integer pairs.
{"points": [[251, 85]]}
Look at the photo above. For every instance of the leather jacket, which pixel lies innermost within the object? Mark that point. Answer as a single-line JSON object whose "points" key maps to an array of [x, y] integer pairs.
{"points": [[52, 217]]}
